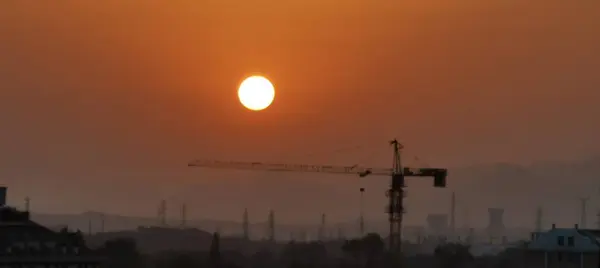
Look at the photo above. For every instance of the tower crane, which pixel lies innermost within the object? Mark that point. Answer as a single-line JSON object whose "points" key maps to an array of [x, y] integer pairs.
{"points": [[395, 193]]}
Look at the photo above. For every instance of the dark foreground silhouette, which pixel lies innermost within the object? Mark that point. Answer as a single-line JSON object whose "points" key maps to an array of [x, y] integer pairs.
{"points": [[367, 252]]}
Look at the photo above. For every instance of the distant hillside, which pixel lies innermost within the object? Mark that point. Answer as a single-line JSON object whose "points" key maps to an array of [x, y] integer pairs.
{"points": [[113, 223], [519, 189]]}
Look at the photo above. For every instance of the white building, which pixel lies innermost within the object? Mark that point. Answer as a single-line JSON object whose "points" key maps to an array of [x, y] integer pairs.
{"points": [[564, 247]]}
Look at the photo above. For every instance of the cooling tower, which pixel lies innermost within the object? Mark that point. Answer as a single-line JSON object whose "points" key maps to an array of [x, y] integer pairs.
{"points": [[496, 221]]}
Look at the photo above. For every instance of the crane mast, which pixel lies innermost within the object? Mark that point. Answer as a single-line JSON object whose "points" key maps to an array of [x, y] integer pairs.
{"points": [[395, 194]]}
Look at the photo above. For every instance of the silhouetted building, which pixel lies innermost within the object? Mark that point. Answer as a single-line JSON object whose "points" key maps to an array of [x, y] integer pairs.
{"points": [[564, 247], [23, 243]]}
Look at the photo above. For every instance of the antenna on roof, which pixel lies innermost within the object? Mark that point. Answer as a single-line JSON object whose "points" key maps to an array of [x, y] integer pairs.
{"points": [[27, 201], [539, 217], [583, 219]]}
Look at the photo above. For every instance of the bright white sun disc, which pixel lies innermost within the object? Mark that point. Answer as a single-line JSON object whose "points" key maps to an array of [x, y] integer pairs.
{"points": [[256, 93]]}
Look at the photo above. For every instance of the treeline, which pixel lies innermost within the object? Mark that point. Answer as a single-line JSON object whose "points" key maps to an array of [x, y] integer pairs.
{"points": [[367, 252]]}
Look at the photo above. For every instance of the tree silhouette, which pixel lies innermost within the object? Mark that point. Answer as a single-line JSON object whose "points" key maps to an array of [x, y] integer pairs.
{"points": [[373, 245], [304, 255], [214, 255], [178, 260], [453, 255], [121, 253], [262, 259], [367, 249]]}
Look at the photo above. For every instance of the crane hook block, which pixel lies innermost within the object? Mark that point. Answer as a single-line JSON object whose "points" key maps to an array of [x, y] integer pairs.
{"points": [[439, 180]]}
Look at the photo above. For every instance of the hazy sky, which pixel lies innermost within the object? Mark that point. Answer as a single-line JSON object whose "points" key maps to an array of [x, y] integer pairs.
{"points": [[112, 98]]}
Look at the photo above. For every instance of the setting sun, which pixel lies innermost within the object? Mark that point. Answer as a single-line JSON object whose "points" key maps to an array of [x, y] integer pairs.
{"points": [[256, 93]]}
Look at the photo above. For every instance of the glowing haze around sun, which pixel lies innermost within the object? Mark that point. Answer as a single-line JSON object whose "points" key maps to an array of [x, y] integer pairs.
{"points": [[256, 93]]}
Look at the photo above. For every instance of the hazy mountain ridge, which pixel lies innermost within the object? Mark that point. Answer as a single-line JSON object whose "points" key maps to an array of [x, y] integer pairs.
{"points": [[517, 188], [92, 222], [573, 173]]}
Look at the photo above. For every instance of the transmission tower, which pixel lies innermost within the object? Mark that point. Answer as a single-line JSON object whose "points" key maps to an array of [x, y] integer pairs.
{"points": [[183, 215], [322, 227], [162, 213], [271, 231], [246, 225]]}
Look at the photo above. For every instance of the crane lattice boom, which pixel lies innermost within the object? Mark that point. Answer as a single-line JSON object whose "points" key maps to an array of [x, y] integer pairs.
{"points": [[355, 169], [333, 169]]}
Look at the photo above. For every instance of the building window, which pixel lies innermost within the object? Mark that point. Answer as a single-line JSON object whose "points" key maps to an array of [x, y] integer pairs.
{"points": [[561, 240], [571, 241]]}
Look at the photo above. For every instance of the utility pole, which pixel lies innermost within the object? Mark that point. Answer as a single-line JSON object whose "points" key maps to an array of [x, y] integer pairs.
{"points": [[246, 225], [583, 219]]}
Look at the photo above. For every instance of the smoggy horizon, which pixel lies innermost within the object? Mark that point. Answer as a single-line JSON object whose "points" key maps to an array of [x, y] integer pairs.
{"points": [[102, 104]]}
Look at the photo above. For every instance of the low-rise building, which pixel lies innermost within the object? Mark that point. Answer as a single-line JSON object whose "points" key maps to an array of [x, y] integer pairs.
{"points": [[24, 243], [564, 247]]}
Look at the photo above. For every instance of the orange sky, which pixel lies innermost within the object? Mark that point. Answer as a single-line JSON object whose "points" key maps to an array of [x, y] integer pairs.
{"points": [[92, 90]]}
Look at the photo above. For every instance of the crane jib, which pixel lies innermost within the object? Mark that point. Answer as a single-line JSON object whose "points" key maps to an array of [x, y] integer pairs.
{"points": [[355, 169], [305, 168], [278, 167]]}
